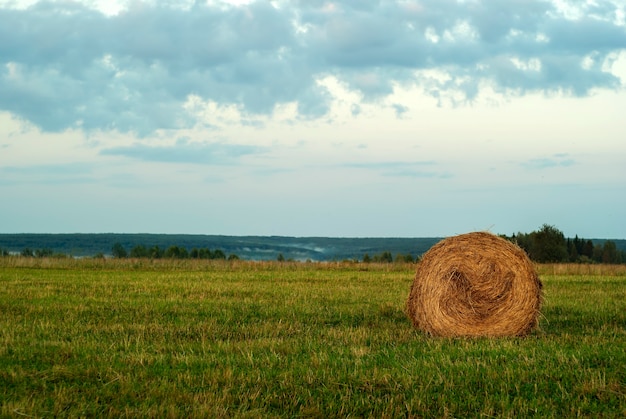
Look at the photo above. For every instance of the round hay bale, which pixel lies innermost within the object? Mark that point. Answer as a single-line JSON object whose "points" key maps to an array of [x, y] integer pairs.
{"points": [[475, 284]]}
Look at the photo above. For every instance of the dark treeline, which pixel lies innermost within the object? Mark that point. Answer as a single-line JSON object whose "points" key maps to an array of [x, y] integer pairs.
{"points": [[171, 252], [387, 257], [549, 245], [246, 247], [546, 245]]}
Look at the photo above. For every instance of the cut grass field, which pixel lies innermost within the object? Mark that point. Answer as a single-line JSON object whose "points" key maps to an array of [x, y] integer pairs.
{"points": [[85, 338]]}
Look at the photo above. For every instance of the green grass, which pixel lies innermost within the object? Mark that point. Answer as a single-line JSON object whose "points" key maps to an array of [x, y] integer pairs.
{"points": [[181, 339]]}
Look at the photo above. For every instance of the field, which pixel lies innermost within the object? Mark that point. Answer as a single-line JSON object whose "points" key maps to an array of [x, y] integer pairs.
{"points": [[85, 338]]}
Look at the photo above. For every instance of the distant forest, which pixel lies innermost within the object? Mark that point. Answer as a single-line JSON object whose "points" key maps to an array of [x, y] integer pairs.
{"points": [[547, 244], [212, 246]]}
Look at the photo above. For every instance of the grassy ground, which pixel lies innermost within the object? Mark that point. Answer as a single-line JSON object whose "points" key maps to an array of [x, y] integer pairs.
{"points": [[181, 339]]}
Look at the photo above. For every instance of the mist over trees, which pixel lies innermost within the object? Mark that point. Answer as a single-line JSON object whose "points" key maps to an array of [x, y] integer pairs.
{"points": [[545, 245]]}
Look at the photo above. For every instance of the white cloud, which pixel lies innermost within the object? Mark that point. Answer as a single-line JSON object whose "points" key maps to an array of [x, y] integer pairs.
{"points": [[320, 118], [131, 66]]}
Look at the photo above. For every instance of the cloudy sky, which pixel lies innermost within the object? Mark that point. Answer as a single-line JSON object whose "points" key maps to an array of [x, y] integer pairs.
{"points": [[407, 118]]}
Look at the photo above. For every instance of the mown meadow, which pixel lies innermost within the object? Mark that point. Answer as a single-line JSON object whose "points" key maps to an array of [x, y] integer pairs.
{"points": [[106, 338]]}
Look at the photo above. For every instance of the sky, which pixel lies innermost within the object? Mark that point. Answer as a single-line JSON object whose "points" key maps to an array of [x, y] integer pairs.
{"points": [[407, 118]]}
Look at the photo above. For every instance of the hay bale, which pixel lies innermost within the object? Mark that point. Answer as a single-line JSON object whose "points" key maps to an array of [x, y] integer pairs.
{"points": [[475, 284]]}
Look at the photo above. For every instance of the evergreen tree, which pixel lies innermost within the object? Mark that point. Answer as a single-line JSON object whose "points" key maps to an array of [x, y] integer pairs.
{"points": [[598, 251], [578, 245], [571, 249], [609, 252], [588, 249]]}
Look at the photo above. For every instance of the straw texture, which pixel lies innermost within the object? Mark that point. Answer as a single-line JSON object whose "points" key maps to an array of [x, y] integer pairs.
{"points": [[475, 284]]}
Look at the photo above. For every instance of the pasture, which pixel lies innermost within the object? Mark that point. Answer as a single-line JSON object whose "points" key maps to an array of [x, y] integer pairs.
{"points": [[131, 338]]}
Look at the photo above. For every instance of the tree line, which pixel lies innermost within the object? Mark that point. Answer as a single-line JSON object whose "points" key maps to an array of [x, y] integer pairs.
{"points": [[549, 245], [387, 257], [546, 245], [171, 252], [118, 251]]}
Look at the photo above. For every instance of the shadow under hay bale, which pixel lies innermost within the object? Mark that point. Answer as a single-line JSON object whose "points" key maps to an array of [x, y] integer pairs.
{"points": [[475, 284]]}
